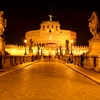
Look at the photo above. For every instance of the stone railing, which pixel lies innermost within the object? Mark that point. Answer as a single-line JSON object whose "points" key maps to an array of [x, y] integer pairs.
{"points": [[73, 59], [90, 62], [8, 61]]}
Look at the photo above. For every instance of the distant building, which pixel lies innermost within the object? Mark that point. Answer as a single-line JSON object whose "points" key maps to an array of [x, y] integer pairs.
{"points": [[49, 40]]}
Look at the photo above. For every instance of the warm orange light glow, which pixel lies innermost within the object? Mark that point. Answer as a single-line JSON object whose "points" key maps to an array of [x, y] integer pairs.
{"points": [[71, 41], [25, 41]]}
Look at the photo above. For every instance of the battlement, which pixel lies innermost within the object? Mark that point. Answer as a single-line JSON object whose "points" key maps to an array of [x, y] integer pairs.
{"points": [[15, 49], [20, 49], [80, 47], [14, 46], [78, 50]]}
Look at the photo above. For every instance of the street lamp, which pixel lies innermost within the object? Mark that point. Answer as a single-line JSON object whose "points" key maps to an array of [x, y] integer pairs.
{"points": [[71, 46], [60, 50], [38, 49], [41, 52], [25, 41]]}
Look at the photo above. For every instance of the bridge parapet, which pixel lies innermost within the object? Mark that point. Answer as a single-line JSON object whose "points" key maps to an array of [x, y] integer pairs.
{"points": [[8, 60]]}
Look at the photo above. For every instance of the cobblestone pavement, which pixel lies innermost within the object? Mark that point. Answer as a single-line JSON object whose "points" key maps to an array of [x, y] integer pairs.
{"points": [[47, 81]]}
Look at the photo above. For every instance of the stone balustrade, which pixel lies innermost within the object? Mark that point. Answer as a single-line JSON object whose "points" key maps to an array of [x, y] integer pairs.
{"points": [[8, 60], [90, 62]]}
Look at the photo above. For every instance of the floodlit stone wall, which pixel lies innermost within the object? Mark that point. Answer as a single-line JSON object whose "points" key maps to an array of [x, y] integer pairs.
{"points": [[20, 49], [8, 61], [15, 49]]}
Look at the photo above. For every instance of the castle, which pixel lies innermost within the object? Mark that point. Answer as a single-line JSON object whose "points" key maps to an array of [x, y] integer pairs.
{"points": [[48, 40], [51, 40]]}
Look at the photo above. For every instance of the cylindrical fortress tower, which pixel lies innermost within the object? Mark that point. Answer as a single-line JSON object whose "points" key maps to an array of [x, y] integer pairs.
{"points": [[50, 37]]}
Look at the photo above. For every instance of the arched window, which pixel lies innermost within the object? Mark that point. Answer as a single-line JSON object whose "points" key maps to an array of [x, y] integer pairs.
{"points": [[50, 31]]}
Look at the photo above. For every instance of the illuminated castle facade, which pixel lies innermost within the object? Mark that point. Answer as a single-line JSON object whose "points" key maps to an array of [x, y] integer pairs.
{"points": [[49, 39]]}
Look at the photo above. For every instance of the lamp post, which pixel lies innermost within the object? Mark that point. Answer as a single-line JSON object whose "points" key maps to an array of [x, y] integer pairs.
{"points": [[38, 49], [41, 52], [71, 46], [25, 41]]}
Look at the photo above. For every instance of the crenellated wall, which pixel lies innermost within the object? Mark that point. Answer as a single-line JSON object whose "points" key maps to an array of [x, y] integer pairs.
{"points": [[20, 49], [78, 50], [15, 49]]}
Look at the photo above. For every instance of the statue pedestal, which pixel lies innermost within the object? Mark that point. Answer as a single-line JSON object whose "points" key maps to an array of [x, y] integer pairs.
{"points": [[30, 52], [94, 47], [94, 55], [2, 46]]}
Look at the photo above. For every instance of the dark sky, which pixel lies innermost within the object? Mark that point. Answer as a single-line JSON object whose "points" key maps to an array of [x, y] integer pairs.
{"points": [[24, 16]]}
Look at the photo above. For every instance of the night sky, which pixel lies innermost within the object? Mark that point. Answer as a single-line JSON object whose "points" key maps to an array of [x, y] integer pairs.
{"points": [[25, 16]]}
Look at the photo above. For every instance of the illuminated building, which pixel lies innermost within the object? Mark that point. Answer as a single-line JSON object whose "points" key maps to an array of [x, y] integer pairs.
{"points": [[49, 39]]}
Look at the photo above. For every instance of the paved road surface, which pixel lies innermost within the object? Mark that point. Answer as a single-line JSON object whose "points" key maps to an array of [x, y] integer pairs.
{"points": [[47, 81]]}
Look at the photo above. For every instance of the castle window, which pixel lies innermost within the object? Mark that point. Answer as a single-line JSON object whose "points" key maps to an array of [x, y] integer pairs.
{"points": [[56, 26], [49, 30], [56, 29], [52, 26], [48, 26], [43, 26], [42, 44]]}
